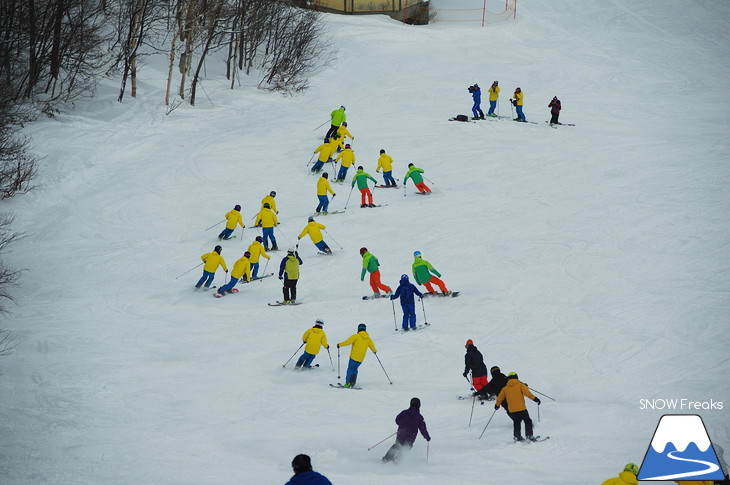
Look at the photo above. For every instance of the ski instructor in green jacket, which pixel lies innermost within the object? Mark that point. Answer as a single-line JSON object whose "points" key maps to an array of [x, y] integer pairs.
{"points": [[338, 117]]}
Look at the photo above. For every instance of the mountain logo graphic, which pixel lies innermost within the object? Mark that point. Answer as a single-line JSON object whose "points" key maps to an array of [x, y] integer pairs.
{"points": [[680, 450]]}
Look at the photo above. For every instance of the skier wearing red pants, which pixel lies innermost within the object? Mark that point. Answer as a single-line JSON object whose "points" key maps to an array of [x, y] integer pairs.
{"points": [[361, 178], [422, 272], [474, 362]]}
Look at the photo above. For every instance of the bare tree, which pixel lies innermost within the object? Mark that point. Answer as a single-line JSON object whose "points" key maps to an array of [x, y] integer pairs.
{"points": [[8, 277], [7, 342]]}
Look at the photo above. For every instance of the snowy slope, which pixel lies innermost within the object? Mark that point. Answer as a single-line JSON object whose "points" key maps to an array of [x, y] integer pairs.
{"points": [[593, 259]]}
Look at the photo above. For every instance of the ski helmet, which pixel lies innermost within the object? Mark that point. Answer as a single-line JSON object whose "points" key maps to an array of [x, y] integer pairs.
{"points": [[319, 323], [382, 151], [342, 108], [267, 205], [495, 83], [272, 193], [518, 89], [417, 254], [344, 123], [415, 402], [247, 254], [218, 249], [494, 370], [237, 208], [347, 145], [310, 219], [259, 239], [362, 327], [301, 463], [363, 251], [404, 277], [326, 140], [359, 167], [291, 250], [631, 467], [469, 342], [325, 175], [512, 375]]}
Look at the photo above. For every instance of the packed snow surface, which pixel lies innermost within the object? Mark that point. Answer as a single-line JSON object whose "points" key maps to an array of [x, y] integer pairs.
{"points": [[593, 260]]}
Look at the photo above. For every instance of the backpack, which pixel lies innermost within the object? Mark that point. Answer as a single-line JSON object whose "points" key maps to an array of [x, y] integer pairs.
{"points": [[461, 118]]}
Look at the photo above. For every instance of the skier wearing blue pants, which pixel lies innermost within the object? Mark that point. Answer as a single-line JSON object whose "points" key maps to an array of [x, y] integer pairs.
{"points": [[476, 94], [405, 292]]}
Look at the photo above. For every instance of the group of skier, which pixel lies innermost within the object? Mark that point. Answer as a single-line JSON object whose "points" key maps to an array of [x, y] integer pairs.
{"points": [[517, 101]]}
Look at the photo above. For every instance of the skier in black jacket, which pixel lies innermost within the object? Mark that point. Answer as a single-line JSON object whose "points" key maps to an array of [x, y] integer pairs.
{"points": [[491, 390], [474, 362]]}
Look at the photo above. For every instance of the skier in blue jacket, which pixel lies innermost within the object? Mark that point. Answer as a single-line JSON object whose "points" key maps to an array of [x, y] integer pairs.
{"points": [[476, 94], [405, 292], [303, 473]]}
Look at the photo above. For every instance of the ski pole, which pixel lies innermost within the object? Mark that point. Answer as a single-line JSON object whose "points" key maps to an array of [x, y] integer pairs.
{"points": [[211, 227], [265, 266], [325, 230], [395, 322], [295, 353], [348, 197], [379, 442], [310, 159], [431, 181], [538, 413], [330, 356], [188, 271], [425, 322], [338, 363], [381, 365], [471, 388], [282, 233], [320, 126], [428, 444], [473, 401], [404, 189], [485, 427], [541, 394], [511, 109]]}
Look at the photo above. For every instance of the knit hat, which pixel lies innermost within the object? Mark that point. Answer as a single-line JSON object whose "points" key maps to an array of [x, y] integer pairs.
{"points": [[361, 327], [494, 370], [415, 403], [469, 342], [301, 463]]}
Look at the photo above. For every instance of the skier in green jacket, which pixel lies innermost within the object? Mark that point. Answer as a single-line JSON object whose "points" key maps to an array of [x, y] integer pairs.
{"points": [[338, 117], [415, 174], [361, 178], [426, 275], [370, 264]]}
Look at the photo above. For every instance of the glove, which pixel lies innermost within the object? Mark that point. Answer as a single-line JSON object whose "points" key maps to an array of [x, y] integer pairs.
{"points": [[226, 271], [392, 297], [465, 373], [281, 278], [338, 346], [496, 407], [298, 238], [429, 439], [537, 400]]}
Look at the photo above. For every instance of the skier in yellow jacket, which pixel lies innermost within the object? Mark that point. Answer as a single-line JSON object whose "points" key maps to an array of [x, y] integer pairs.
{"points": [[514, 393], [257, 250], [342, 132], [517, 101], [360, 342], [386, 163], [323, 186], [268, 221], [314, 338], [626, 477], [241, 268], [325, 150], [348, 158], [212, 260], [493, 97], [269, 199], [314, 229], [233, 218]]}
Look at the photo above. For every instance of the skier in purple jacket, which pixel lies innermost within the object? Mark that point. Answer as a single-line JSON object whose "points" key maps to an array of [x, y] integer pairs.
{"points": [[405, 292], [409, 422]]}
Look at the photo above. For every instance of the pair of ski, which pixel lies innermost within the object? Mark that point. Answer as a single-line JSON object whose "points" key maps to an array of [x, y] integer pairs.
{"points": [[281, 303], [453, 294], [535, 439], [418, 327], [340, 386], [319, 214]]}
